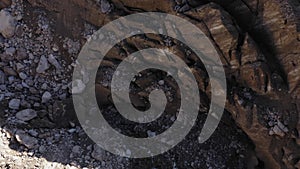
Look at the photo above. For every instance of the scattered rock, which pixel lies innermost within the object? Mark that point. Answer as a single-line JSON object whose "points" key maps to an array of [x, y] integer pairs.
{"points": [[46, 97], [14, 104], [151, 134], [26, 115], [43, 65], [33, 133], [26, 140], [8, 24], [282, 127], [161, 82]]}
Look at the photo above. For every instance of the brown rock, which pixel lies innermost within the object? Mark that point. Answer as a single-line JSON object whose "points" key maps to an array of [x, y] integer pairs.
{"points": [[4, 3], [259, 46]]}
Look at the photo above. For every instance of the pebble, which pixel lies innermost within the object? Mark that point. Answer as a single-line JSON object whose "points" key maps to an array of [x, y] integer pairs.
{"points": [[33, 133], [278, 131], [20, 66], [55, 48], [151, 134], [106, 7], [22, 75], [10, 51], [1, 97], [43, 65], [72, 130], [42, 149], [11, 79], [52, 60], [76, 149], [14, 104], [21, 54], [282, 127], [8, 24], [25, 139], [46, 97], [161, 82], [26, 115]]}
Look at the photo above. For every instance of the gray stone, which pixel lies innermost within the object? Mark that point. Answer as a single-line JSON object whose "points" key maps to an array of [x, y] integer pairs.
{"points": [[14, 104], [22, 75], [26, 115], [161, 82], [25, 139], [52, 60], [10, 51], [106, 7], [282, 127], [42, 149], [43, 65], [8, 24], [76, 150], [2, 77], [46, 97]]}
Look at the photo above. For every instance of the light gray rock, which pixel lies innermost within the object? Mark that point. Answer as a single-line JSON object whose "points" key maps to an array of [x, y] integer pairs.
{"points": [[52, 60], [22, 75], [8, 24], [282, 126], [10, 51], [26, 115], [14, 104], [25, 139], [43, 65], [278, 131], [106, 7], [46, 97]]}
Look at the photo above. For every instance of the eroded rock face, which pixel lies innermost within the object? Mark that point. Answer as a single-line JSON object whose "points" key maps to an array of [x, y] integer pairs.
{"points": [[258, 42], [4, 3]]}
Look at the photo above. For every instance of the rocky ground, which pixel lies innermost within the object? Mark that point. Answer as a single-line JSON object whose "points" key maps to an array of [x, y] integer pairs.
{"points": [[40, 41]]}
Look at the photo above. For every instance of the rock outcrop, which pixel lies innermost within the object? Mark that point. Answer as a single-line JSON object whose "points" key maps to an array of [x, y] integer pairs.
{"points": [[259, 44]]}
